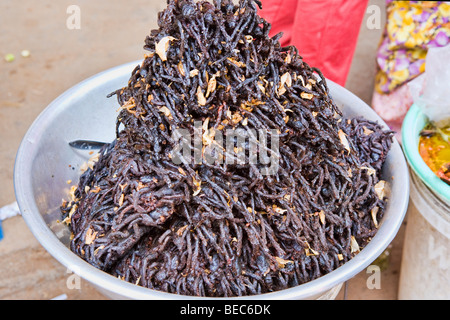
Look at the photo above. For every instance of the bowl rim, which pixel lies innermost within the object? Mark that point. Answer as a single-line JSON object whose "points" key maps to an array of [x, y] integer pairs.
{"points": [[103, 280], [410, 139]]}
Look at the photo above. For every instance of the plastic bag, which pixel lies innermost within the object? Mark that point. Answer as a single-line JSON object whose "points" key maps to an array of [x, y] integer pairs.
{"points": [[431, 91]]}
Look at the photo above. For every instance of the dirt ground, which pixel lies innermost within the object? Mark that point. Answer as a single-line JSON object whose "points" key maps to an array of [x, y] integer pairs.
{"points": [[111, 33]]}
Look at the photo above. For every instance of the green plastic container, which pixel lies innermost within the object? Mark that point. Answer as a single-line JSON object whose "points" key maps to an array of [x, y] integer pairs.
{"points": [[424, 273], [413, 123]]}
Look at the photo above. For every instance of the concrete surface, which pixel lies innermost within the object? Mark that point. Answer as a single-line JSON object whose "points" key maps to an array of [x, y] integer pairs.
{"points": [[111, 33]]}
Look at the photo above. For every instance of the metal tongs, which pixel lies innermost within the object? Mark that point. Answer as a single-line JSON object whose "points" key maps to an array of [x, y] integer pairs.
{"points": [[87, 144]]}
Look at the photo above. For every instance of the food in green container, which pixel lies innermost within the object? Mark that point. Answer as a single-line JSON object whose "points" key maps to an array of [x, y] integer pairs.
{"points": [[434, 148]]}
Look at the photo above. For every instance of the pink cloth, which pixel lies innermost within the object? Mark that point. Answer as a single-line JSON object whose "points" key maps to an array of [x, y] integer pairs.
{"points": [[392, 107], [324, 31]]}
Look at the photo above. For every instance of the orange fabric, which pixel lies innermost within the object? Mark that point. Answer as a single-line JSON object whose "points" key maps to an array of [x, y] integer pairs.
{"points": [[324, 31]]}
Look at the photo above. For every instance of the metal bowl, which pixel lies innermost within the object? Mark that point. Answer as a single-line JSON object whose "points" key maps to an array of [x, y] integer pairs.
{"points": [[45, 163]]}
